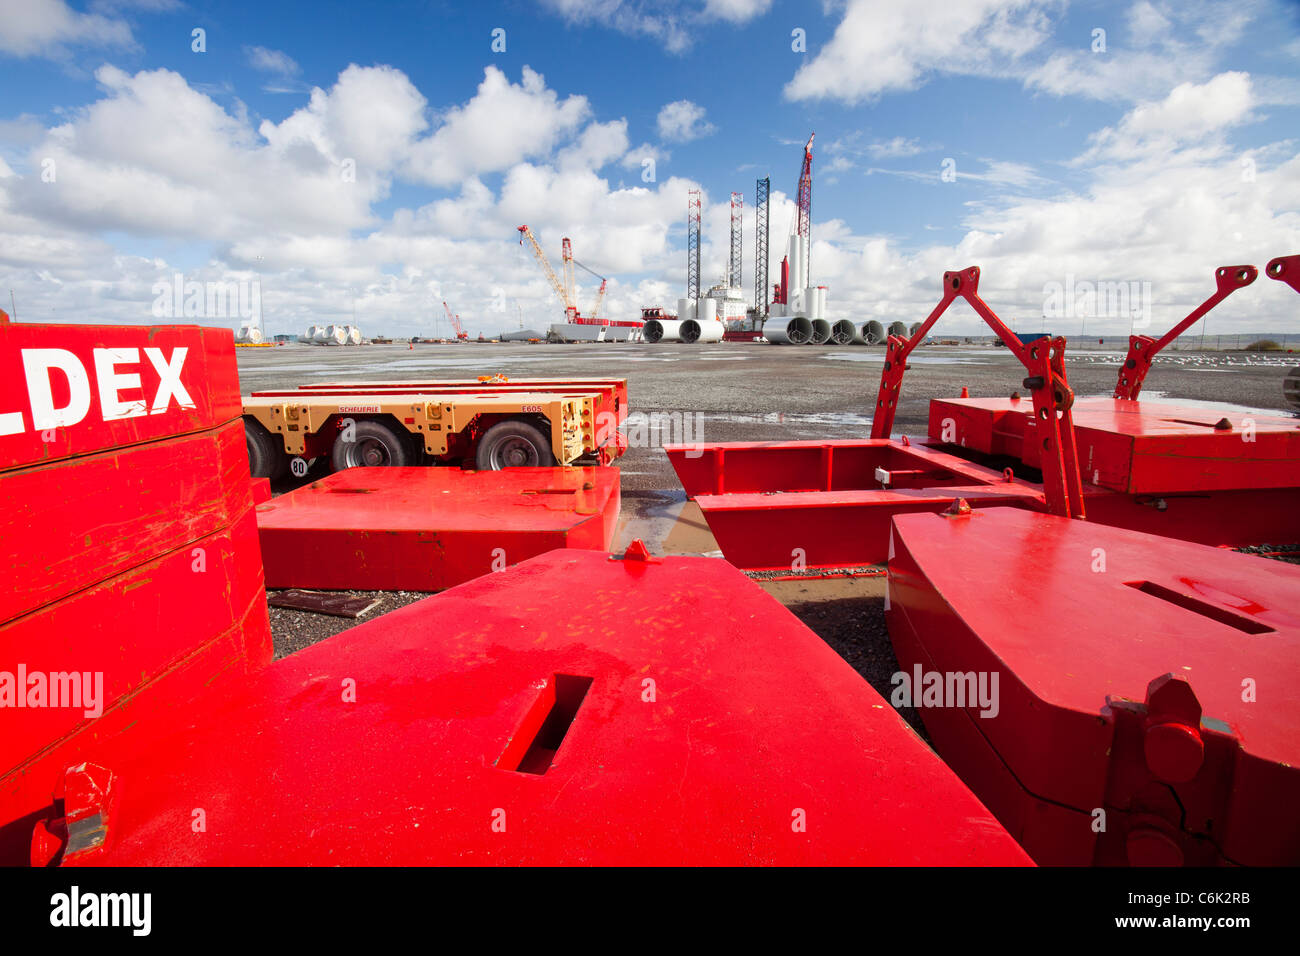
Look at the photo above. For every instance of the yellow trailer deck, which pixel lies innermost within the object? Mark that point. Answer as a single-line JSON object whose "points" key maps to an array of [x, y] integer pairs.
{"points": [[487, 430]]}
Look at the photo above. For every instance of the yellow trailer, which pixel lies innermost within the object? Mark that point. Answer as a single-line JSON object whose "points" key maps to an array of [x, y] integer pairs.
{"points": [[286, 430]]}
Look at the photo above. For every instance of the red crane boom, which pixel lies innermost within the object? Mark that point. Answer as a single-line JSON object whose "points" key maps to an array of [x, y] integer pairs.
{"points": [[455, 322]]}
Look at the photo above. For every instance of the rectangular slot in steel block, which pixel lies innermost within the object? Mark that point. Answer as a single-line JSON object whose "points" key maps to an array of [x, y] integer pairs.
{"points": [[534, 745], [1214, 613]]}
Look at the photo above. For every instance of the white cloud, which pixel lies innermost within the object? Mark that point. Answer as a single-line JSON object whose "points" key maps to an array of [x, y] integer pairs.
{"points": [[503, 124], [664, 24], [598, 145], [157, 160], [1169, 217], [636, 157], [1191, 114], [1148, 25], [46, 27], [736, 11], [1005, 173], [675, 25], [895, 148], [271, 61], [682, 121], [888, 45], [372, 115]]}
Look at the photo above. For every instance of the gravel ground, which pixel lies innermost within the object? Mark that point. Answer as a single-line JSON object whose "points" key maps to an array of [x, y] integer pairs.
{"points": [[854, 627], [746, 392], [293, 630]]}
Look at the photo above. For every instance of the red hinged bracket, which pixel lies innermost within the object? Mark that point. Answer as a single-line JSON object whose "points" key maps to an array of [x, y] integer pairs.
{"points": [[1142, 349], [1045, 363], [1285, 269]]}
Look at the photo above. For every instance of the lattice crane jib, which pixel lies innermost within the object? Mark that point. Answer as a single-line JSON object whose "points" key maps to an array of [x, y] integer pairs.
{"points": [[693, 244], [762, 293]]}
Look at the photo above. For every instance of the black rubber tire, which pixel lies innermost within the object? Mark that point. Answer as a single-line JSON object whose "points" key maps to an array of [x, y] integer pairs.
{"points": [[266, 457], [513, 444], [376, 445]]}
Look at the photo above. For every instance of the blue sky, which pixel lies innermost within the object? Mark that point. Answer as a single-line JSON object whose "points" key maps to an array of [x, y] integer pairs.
{"points": [[1167, 153]]}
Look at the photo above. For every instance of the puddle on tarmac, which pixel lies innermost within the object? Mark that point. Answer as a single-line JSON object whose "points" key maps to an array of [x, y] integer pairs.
{"points": [[665, 521], [956, 357], [824, 419]]}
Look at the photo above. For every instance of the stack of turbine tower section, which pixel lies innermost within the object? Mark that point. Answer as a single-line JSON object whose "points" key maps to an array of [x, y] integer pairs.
{"points": [[873, 332], [704, 324], [661, 326], [797, 315], [332, 335]]}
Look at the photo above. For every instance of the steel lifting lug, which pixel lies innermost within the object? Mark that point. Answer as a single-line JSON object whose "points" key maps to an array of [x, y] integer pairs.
{"points": [[1171, 738], [87, 793], [636, 555]]}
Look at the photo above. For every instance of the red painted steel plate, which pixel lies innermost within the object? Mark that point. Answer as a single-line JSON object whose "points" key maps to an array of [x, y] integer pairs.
{"points": [[1140, 447], [214, 669], [131, 629], [991, 426], [799, 466], [823, 529], [1220, 518], [425, 529], [773, 505], [1016, 593], [70, 390], [69, 525], [715, 729]]}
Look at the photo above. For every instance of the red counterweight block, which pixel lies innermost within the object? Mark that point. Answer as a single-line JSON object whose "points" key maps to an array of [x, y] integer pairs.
{"points": [[575, 709], [426, 529], [128, 534], [1148, 702]]}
